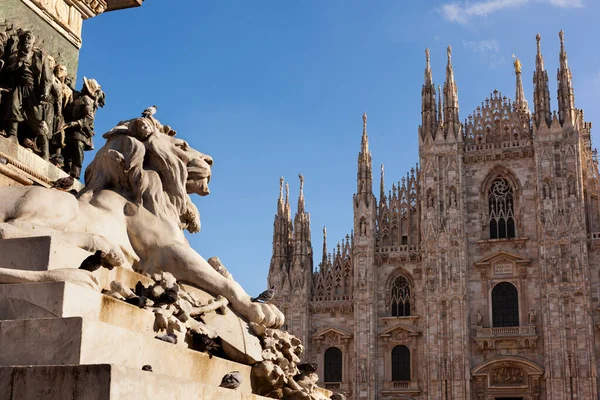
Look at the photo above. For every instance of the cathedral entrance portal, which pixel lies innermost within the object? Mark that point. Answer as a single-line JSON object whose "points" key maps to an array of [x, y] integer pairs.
{"points": [[507, 378]]}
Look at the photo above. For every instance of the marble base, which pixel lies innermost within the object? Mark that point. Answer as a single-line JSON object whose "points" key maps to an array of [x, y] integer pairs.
{"points": [[104, 382]]}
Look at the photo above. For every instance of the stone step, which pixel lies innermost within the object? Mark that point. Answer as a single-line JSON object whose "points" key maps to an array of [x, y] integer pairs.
{"points": [[105, 382], [40, 253], [64, 299], [76, 340]]}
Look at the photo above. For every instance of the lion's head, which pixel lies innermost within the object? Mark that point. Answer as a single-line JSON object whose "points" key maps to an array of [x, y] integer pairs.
{"points": [[152, 170]]}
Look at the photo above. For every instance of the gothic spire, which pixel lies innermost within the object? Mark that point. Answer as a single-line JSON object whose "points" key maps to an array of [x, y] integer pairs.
{"points": [[541, 92], [451, 120], [280, 200], [520, 94], [365, 172], [301, 195], [301, 231], [287, 209], [440, 107], [364, 148], [324, 259], [566, 98], [428, 77], [382, 187], [428, 111]]}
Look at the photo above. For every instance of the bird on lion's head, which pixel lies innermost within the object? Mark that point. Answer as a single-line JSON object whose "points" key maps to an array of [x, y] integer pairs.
{"points": [[154, 170]]}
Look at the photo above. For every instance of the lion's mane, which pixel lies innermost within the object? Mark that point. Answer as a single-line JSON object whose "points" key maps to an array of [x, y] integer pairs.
{"points": [[138, 162]]}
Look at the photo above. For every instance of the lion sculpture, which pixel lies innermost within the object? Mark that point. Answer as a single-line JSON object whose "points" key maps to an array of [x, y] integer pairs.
{"points": [[134, 207]]}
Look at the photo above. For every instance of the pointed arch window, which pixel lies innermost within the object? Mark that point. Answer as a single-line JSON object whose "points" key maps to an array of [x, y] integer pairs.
{"points": [[333, 365], [501, 209], [505, 305], [400, 363], [400, 297]]}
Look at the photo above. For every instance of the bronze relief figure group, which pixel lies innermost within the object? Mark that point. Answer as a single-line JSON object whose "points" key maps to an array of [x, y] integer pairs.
{"points": [[39, 108]]}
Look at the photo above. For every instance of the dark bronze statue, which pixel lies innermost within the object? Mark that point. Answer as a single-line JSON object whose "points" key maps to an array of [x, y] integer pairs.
{"points": [[79, 127], [38, 107]]}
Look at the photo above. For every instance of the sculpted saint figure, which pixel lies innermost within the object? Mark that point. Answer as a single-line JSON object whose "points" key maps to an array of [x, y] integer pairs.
{"points": [[25, 67], [65, 99], [134, 208], [79, 129], [50, 108]]}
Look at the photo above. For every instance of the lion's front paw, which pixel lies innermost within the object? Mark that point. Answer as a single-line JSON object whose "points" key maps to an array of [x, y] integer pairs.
{"points": [[260, 313]]}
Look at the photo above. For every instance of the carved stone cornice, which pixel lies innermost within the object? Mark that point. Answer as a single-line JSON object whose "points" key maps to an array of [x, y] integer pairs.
{"points": [[66, 16]]}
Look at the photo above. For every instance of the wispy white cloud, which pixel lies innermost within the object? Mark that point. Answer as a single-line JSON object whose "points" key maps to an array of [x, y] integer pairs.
{"points": [[462, 12], [487, 50]]}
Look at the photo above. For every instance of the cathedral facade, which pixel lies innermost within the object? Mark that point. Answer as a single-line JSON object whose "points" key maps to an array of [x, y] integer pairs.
{"points": [[477, 275]]}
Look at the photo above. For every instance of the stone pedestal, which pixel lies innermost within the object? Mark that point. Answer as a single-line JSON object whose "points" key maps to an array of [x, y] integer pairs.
{"points": [[61, 340], [105, 382]]}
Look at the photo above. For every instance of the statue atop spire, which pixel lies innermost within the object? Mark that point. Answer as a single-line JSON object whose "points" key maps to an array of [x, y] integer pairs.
{"points": [[520, 94], [517, 64], [449, 52], [364, 117]]}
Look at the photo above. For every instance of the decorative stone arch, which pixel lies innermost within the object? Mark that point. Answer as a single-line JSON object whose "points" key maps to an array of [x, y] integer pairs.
{"points": [[500, 171], [507, 376], [333, 337], [401, 334], [397, 273]]}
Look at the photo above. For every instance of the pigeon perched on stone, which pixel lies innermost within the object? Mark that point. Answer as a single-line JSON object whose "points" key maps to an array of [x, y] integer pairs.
{"points": [[204, 343], [138, 301], [150, 111], [265, 296], [95, 261], [63, 183], [141, 290], [307, 368], [147, 368], [57, 160], [231, 380], [3, 160], [169, 338], [168, 297]]}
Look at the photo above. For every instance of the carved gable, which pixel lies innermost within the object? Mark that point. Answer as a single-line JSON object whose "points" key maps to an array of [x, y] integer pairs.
{"points": [[331, 337], [399, 333], [503, 264]]}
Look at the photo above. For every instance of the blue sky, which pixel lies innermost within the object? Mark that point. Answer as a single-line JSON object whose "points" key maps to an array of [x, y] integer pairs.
{"points": [[274, 88]]}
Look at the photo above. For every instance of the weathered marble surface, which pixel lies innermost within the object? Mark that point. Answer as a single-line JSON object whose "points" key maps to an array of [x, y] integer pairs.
{"points": [[105, 382], [72, 341]]}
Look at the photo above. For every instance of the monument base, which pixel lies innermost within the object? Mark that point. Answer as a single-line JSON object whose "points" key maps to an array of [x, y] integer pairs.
{"points": [[105, 382]]}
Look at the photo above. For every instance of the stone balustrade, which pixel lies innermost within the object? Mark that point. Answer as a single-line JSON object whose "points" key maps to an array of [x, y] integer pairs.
{"points": [[506, 336]]}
